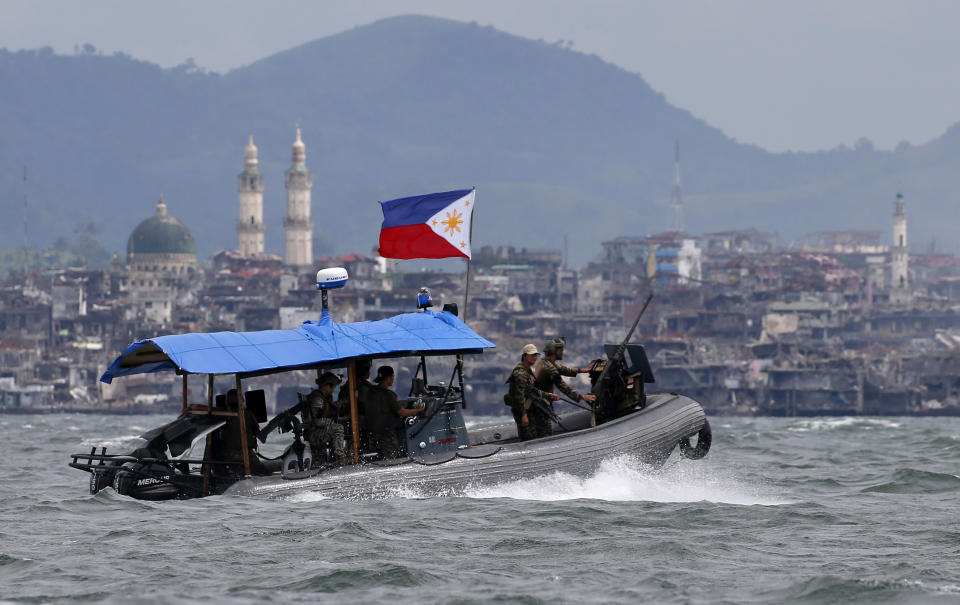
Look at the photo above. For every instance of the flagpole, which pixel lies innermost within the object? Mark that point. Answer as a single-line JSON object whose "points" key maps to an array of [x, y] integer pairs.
{"points": [[466, 293]]}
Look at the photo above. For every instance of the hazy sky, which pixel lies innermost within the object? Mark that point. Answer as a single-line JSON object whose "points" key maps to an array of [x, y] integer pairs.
{"points": [[800, 75]]}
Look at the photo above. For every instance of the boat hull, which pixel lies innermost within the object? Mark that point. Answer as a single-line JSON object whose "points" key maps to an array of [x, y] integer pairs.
{"points": [[649, 434]]}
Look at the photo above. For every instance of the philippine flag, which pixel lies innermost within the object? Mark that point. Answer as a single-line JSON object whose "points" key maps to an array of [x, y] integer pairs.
{"points": [[436, 225]]}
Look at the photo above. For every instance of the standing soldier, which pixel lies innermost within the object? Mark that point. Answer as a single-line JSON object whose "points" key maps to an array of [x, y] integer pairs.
{"points": [[550, 374], [322, 427], [528, 418]]}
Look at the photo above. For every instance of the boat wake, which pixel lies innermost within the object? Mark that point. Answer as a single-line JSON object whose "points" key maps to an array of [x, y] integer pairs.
{"points": [[626, 479]]}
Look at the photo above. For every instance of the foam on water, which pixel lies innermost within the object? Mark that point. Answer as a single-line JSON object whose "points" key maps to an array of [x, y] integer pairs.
{"points": [[625, 478], [306, 497], [129, 441], [829, 424]]}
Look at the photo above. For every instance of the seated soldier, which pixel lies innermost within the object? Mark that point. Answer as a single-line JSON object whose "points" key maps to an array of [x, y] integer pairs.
{"points": [[321, 429], [384, 415]]}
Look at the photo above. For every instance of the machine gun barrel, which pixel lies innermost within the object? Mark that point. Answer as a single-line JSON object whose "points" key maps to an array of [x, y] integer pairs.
{"points": [[288, 416]]}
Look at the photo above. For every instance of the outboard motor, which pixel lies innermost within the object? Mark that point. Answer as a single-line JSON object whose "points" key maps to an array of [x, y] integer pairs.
{"points": [[145, 480], [101, 475]]}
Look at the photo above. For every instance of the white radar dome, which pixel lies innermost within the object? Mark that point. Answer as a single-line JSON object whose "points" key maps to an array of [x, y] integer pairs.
{"points": [[334, 277]]}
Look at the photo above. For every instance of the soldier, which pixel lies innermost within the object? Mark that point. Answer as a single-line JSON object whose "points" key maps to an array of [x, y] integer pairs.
{"points": [[521, 381], [384, 415], [322, 427], [549, 374]]}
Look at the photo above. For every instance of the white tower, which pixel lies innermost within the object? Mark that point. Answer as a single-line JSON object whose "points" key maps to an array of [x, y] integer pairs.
{"points": [[250, 225], [297, 225], [899, 256]]}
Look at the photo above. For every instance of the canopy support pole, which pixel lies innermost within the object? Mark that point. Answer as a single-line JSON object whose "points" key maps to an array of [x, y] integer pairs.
{"points": [[183, 407], [459, 371], [207, 451], [354, 412], [241, 412]]}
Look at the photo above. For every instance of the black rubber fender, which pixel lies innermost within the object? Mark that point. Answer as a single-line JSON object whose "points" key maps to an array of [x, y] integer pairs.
{"points": [[698, 451]]}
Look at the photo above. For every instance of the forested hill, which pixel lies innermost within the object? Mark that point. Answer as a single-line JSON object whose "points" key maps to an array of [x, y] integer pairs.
{"points": [[555, 140]]}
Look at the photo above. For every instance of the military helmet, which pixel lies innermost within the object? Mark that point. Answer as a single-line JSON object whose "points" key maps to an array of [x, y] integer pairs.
{"points": [[551, 347], [328, 378]]}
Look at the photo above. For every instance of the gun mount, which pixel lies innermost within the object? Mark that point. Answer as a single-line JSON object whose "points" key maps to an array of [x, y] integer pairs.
{"points": [[624, 388]]}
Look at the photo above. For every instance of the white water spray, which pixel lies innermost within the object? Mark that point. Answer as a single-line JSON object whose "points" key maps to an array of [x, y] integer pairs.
{"points": [[626, 479]]}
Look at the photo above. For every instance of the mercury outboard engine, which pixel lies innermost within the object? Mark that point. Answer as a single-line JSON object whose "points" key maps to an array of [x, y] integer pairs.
{"points": [[156, 471], [146, 480]]}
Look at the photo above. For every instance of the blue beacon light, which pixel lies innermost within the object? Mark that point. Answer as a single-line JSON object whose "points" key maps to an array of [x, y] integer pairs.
{"points": [[423, 298]]}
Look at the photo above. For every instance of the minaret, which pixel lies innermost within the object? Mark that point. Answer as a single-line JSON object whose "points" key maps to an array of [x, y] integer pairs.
{"points": [[297, 225], [675, 208], [250, 225], [899, 255]]}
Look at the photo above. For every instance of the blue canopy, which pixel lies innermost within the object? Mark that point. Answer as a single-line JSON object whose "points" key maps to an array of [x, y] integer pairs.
{"points": [[312, 344]]}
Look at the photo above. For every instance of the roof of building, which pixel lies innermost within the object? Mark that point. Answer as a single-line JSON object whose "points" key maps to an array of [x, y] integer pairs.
{"points": [[161, 234]]}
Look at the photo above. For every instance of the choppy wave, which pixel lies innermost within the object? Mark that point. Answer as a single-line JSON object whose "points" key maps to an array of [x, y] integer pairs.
{"points": [[782, 510], [914, 481], [833, 589]]}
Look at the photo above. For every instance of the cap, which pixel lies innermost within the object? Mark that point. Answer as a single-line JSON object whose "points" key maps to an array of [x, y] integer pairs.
{"points": [[328, 378], [383, 372], [529, 349]]}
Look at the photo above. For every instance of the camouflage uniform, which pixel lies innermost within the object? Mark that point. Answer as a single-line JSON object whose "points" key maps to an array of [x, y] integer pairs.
{"points": [[322, 428], [549, 375], [521, 381]]}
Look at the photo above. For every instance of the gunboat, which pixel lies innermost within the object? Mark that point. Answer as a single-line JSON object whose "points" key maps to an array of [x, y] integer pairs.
{"points": [[439, 454]]}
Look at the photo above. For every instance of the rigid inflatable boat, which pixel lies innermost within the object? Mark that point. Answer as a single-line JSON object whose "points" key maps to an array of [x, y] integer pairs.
{"points": [[185, 458]]}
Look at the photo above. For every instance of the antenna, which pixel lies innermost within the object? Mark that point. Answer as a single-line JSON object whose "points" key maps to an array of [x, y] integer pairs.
{"points": [[25, 261], [675, 209]]}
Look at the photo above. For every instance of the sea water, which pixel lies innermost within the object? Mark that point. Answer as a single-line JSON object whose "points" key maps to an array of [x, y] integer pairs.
{"points": [[781, 511]]}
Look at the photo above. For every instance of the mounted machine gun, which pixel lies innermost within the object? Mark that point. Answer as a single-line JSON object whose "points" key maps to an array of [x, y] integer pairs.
{"points": [[618, 381]]}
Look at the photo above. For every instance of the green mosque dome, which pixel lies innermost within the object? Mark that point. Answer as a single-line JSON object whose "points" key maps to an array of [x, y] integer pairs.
{"points": [[161, 234]]}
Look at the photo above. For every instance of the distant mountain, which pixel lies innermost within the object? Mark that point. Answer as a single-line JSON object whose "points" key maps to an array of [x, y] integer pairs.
{"points": [[555, 140]]}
